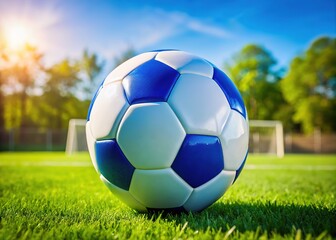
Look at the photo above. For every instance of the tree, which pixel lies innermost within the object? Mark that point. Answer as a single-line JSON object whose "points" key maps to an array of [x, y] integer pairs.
{"points": [[59, 92], [251, 69], [3, 59], [19, 75], [310, 86], [90, 67]]}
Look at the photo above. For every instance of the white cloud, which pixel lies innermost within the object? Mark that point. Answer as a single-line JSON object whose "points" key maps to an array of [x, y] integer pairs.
{"points": [[208, 29], [193, 24], [147, 27]]}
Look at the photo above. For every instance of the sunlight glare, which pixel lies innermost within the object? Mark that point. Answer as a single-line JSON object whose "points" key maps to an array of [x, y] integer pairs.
{"points": [[17, 36]]}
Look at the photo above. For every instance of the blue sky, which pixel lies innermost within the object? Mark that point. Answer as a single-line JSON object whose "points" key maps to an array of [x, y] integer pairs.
{"points": [[214, 30]]}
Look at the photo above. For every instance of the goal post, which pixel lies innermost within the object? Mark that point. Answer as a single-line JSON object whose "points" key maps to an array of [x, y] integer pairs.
{"points": [[76, 139], [271, 132]]}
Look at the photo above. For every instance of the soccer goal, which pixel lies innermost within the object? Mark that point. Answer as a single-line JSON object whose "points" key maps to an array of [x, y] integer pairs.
{"points": [[266, 137], [76, 139]]}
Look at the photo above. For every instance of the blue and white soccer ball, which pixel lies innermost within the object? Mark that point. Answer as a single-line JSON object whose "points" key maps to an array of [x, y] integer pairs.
{"points": [[167, 130]]}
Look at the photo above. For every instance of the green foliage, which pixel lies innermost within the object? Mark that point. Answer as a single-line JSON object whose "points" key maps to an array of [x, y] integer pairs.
{"points": [[60, 197], [62, 77], [310, 86], [90, 68], [252, 71], [60, 91], [12, 111], [3, 59], [19, 72]]}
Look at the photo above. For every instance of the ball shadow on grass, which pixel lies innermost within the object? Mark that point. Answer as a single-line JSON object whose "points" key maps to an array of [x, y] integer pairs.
{"points": [[268, 217]]}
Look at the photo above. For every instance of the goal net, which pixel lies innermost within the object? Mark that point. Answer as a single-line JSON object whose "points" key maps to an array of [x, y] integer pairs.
{"points": [[266, 137], [76, 139]]}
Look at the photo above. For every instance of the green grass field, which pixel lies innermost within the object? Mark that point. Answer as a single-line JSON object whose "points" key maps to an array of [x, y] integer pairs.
{"points": [[51, 196]]}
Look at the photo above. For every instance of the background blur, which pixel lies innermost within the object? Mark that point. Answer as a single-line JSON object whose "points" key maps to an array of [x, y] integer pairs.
{"points": [[280, 54]]}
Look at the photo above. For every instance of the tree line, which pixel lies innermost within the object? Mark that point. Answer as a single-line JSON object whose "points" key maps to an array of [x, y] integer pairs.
{"points": [[303, 96]]}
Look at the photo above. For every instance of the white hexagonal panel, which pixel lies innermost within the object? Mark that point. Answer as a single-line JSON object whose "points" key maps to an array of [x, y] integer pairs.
{"points": [[159, 188], [125, 68], [208, 193], [91, 145], [150, 135], [124, 196], [234, 139], [107, 111], [185, 62], [200, 104]]}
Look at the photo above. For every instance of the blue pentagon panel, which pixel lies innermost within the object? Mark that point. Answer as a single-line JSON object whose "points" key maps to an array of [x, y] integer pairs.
{"points": [[93, 100], [125, 68], [150, 82], [199, 160], [240, 168], [230, 90], [112, 163]]}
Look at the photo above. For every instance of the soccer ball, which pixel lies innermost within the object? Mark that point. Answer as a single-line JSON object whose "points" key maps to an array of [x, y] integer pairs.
{"points": [[167, 130]]}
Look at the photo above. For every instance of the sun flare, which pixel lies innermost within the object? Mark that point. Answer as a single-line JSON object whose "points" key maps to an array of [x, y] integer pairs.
{"points": [[18, 35]]}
